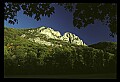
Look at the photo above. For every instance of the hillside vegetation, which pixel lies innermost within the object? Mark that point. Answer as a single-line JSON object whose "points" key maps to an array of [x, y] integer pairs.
{"points": [[110, 47], [24, 57]]}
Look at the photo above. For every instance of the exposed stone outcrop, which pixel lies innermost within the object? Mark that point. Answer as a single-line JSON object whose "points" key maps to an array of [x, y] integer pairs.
{"points": [[38, 40], [50, 33], [72, 38]]}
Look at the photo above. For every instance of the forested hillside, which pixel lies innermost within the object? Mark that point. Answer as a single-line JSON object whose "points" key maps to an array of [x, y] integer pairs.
{"points": [[110, 47], [24, 57]]}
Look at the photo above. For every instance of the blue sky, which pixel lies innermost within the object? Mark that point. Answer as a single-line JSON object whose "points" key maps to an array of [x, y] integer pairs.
{"points": [[62, 21]]}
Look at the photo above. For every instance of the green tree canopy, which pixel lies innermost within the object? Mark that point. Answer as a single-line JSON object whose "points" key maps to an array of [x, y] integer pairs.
{"points": [[84, 14]]}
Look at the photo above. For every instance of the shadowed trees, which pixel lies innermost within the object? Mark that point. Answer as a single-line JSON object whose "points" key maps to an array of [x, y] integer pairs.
{"points": [[84, 14], [105, 12]]}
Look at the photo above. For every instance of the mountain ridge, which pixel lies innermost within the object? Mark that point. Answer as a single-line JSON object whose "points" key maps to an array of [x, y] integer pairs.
{"points": [[50, 33], [22, 56]]}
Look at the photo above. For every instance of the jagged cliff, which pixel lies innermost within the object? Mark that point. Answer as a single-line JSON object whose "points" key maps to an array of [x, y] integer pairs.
{"points": [[49, 33]]}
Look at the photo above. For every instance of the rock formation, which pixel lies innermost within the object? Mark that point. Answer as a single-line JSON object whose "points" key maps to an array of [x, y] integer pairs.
{"points": [[72, 38], [50, 33]]}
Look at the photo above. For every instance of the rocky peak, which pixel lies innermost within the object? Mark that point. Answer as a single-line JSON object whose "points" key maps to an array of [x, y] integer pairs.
{"points": [[50, 33], [72, 38]]}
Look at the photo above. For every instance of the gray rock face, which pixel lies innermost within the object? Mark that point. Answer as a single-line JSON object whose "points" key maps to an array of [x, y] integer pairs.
{"points": [[50, 33], [38, 40], [72, 38]]}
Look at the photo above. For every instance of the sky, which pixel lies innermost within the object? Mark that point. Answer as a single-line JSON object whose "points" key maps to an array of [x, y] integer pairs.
{"points": [[62, 21]]}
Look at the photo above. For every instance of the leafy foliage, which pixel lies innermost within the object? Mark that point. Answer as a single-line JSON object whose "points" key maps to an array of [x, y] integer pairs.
{"points": [[29, 9], [84, 14], [105, 12]]}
